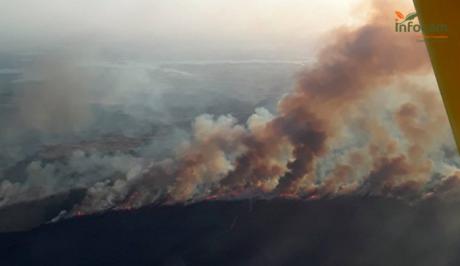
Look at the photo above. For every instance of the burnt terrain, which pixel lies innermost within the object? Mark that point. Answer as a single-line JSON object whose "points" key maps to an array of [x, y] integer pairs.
{"points": [[344, 231]]}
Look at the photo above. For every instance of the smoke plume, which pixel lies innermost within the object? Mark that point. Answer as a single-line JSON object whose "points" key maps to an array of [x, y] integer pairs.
{"points": [[357, 122], [335, 110]]}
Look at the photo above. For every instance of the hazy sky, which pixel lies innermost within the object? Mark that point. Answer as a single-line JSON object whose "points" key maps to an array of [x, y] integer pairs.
{"points": [[173, 29]]}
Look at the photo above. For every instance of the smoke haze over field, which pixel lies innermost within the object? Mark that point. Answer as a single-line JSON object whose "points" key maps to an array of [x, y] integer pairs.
{"points": [[165, 29], [363, 117]]}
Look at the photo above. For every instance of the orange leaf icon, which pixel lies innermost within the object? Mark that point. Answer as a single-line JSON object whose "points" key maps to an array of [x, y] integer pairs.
{"points": [[399, 14]]}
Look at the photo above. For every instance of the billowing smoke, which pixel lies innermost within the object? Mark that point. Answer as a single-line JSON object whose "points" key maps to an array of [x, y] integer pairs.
{"points": [[358, 122]]}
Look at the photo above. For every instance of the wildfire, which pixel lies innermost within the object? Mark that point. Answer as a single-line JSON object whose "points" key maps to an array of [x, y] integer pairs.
{"points": [[130, 203]]}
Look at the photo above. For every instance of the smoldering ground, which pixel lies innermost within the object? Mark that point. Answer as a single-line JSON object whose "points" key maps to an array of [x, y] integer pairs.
{"points": [[342, 231]]}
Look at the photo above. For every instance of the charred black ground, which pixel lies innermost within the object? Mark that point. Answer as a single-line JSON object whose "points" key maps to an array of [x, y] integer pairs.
{"points": [[343, 231]]}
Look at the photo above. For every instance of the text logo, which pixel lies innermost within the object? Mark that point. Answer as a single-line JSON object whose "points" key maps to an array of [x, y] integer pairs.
{"points": [[408, 23]]}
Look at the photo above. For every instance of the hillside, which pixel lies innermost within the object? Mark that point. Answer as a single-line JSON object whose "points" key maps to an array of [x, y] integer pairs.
{"points": [[345, 231]]}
